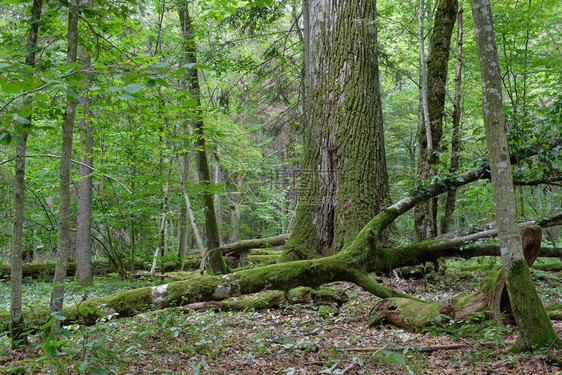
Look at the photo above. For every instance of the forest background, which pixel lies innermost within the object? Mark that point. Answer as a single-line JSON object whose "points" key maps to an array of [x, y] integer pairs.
{"points": [[136, 135]]}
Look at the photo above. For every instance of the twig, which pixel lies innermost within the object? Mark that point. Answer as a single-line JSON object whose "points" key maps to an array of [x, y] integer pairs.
{"points": [[418, 348], [132, 192], [23, 93], [161, 275], [350, 367]]}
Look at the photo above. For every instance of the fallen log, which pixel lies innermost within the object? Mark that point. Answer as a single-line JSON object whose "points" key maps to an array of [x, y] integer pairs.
{"points": [[491, 299], [241, 248], [321, 296]]}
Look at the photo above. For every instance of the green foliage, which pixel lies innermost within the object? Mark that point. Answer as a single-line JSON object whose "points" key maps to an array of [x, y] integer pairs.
{"points": [[476, 326]]}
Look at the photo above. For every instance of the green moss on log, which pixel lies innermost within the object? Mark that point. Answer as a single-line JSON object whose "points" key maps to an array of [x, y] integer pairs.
{"points": [[36, 269], [406, 313], [548, 266]]}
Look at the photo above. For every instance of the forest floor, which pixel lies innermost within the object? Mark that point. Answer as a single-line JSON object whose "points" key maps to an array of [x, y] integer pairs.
{"points": [[292, 339]]}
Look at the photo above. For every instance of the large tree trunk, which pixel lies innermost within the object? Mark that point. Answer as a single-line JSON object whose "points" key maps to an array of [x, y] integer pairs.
{"points": [[425, 215], [85, 187], [344, 181], [456, 136], [17, 335], [215, 260], [63, 245], [535, 328]]}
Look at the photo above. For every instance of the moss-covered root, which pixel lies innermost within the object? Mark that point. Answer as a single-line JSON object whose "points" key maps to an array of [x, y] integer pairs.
{"points": [[555, 314], [366, 282], [405, 313], [535, 327], [417, 315]]}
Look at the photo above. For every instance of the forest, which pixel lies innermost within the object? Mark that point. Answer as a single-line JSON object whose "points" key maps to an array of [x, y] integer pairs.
{"points": [[280, 187]]}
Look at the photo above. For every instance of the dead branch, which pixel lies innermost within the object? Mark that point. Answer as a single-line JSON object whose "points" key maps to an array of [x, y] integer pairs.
{"points": [[432, 348], [236, 248]]}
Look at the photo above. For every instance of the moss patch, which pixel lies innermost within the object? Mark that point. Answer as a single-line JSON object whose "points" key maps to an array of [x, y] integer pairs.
{"points": [[535, 328]]}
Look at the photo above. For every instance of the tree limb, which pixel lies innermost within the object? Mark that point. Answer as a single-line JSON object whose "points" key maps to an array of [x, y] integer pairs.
{"points": [[236, 248]]}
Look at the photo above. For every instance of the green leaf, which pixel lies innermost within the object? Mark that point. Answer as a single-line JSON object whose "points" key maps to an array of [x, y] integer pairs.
{"points": [[190, 102], [126, 96], [100, 371], [73, 94], [50, 349], [47, 325], [18, 139], [82, 366], [160, 65], [21, 120], [196, 66], [399, 358], [5, 138], [132, 88], [4, 65], [12, 88]]}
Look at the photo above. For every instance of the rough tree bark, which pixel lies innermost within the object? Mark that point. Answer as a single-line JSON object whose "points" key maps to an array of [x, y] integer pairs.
{"points": [[455, 137], [215, 260], [63, 245], [535, 328], [344, 181], [429, 139], [84, 275], [17, 335], [185, 215]]}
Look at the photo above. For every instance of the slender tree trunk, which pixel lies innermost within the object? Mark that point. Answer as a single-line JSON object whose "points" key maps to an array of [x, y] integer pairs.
{"points": [[189, 211], [235, 214], [425, 215], [215, 260], [306, 56], [535, 328], [456, 136], [63, 245], [133, 244], [343, 180], [182, 232], [17, 333], [85, 187], [162, 231], [423, 78]]}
